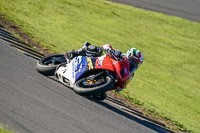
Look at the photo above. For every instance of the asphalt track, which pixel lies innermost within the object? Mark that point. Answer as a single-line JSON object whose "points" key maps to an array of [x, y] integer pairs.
{"points": [[33, 103], [188, 9]]}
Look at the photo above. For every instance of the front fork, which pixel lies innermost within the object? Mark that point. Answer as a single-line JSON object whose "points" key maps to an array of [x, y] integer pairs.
{"points": [[97, 76], [115, 79], [104, 74]]}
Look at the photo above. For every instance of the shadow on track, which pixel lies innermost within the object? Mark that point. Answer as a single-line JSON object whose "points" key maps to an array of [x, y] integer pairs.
{"points": [[122, 113], [129, 116]]}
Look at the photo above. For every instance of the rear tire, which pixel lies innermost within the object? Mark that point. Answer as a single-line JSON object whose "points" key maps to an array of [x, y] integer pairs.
{"points": [[47, 70], [82, 89]]}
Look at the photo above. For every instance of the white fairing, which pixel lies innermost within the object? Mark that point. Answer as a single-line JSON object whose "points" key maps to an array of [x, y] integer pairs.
{"points": [[66, 73]]}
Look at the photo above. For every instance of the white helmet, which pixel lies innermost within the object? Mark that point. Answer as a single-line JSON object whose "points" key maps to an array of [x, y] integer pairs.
{"points": [[135, 55]]}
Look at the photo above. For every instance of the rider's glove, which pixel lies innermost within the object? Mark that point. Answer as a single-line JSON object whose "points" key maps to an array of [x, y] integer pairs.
{"points": [[115, 54], [107, 48]]}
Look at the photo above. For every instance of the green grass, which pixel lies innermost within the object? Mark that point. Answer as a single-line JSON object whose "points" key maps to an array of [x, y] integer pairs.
{"points": [[167, 83], [4, 130]]}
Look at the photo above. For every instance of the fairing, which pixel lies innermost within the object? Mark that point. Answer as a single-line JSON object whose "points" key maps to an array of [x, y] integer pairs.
{"points": [[71, 72]]}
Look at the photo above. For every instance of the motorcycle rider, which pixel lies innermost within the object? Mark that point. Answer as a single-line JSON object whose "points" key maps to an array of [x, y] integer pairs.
{"points": [[134, 56]]}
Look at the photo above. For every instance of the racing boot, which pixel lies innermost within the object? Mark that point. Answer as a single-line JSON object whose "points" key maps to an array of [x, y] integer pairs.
{"points": [[101, 96]]}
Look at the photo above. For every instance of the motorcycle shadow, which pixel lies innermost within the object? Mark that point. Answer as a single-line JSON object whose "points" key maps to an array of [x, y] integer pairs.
{"points": [[123, 113]]}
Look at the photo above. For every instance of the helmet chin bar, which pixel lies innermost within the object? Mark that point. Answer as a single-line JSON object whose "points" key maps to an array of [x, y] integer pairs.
{"points": [[133, 65]]}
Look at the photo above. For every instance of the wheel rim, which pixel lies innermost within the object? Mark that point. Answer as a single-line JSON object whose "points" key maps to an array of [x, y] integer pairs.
{"points": [[54, 61], [92, 83], [107, 84], [49, 63]]}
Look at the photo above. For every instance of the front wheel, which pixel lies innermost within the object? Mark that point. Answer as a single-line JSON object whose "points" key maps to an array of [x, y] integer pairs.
{"points": [[88, 87]]}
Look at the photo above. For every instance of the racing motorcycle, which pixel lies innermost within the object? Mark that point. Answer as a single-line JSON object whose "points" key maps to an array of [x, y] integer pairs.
{"points": [[88, 75]]}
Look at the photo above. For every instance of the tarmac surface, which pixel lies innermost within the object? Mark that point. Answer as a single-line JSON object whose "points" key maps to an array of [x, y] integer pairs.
{"points": [[33, 103], [188, 9]]}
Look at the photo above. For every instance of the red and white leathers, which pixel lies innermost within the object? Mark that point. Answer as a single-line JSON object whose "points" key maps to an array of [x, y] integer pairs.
{"points": [[114, 54]]}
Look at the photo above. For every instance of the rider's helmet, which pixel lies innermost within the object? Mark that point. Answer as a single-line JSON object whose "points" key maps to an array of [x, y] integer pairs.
{"points": [[135, 57]]}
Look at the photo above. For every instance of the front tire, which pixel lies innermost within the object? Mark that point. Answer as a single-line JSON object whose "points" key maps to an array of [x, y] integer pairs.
{"points": [[83, 89]]}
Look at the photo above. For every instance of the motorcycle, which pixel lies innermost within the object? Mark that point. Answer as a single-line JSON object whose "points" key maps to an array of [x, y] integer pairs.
{"points": [[90, 75]]}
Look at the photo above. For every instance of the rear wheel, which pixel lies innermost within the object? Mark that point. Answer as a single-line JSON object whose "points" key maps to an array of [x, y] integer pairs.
{"points": [[48, 64], [87, 87]]}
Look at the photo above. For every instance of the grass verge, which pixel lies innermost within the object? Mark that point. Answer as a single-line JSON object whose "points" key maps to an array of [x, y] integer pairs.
{"points": [[4, 130], [167, 83]]}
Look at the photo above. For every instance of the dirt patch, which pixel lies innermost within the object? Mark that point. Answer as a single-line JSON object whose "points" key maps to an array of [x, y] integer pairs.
{"points": [[27, 39], [15, 30]]}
